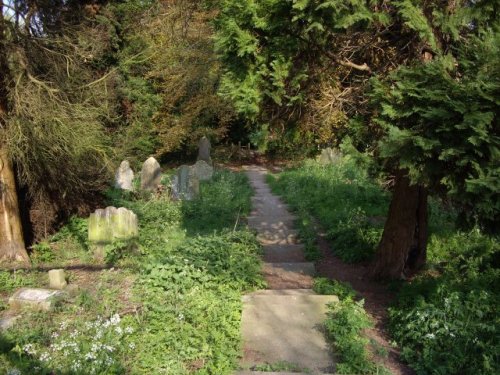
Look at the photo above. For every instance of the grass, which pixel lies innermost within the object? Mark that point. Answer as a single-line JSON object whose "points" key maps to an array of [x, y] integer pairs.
{"points": [[345, 201], [178, 297], [446, 319]]}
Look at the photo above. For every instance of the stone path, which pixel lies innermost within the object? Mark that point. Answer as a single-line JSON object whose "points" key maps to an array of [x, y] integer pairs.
{"points": [[282, 326]]}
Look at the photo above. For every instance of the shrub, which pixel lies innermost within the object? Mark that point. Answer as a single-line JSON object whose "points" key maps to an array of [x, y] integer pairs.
{"points": [[448, 323]]}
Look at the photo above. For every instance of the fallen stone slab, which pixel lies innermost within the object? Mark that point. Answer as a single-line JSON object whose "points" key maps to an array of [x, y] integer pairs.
{"points": [[286, 327], [289, 275], [37, 299]]}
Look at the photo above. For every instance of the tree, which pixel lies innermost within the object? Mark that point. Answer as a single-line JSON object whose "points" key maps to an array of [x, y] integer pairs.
{"points": [[12, 244], [429, 61], [53, 106]]}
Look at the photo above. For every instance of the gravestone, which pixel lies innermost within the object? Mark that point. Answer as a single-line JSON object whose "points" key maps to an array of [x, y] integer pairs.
{"points": [[38, 299], [150, 175], [185, 184], [124, 176], [329, 156], [204, 150], [109, 225], [202, 170], [57, 280]]}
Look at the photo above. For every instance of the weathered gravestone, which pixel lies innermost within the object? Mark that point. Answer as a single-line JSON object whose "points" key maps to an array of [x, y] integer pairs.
{"points": [[185, 184], [329, 156], [124, 176], [57, 279], [38, 299], [204, 150], [109, 225], [150, 175], [202, 170]]}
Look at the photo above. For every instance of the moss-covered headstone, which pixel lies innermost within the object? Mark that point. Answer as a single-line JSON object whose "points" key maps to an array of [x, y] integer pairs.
{"points": [[110, 225]]}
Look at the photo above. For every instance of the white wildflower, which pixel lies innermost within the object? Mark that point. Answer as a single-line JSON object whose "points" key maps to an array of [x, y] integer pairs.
{"points": [[44, 357], [118, 330], [430, 336], [129, 330], [90, 356], [29, 349], [115, 319], [131, 345], [13, 371]]}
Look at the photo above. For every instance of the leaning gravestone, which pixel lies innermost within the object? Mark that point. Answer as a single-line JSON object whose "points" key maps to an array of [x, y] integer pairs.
{"points": [[202, 170], [329, 156], [150, 175], [204, 150], [185, 184], [124, 176], [57, 279], [109, 225]]}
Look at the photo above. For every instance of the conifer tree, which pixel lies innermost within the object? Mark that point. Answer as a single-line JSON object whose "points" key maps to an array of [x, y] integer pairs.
{"points": [[430, 112]]}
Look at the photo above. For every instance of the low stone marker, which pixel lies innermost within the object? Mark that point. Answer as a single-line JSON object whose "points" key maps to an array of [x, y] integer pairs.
{"points": [[57, 279], [202, 170], [124, 176], [204, 147], [150, 175], [185, 184], [329, 156], [38, 299], [109, 225]]}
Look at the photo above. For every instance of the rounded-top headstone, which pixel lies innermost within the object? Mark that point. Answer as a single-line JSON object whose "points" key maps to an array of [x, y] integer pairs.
{"points": [[202, 170], [124, 176], [150, 174], [204, 150]]}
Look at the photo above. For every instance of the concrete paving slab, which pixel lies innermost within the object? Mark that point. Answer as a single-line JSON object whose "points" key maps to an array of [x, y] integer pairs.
{"points": [[277, 237], [286, 328], [275, 222], [284, 253]]}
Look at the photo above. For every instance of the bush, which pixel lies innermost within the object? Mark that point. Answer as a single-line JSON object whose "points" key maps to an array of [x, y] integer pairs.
{"points": [[448, 324]]}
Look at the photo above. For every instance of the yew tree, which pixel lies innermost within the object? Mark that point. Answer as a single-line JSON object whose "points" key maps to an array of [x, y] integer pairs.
{"points": [[418, 81]]}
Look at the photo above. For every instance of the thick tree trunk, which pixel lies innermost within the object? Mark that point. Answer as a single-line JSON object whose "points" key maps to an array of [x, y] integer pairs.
{"points": [[11, 234], [11, 237], [404, 241]]}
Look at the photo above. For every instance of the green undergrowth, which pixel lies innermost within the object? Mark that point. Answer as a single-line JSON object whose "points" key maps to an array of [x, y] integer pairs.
{"points": [[177, 296], [446, 319], [346, 320], [345, 201]]}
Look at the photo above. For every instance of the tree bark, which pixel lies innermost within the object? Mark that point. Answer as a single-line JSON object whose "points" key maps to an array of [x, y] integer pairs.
{"points": [[11, 234], [404, 241]]}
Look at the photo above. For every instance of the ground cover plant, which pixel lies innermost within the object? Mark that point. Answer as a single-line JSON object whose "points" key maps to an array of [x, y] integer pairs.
{"points": [[445, 320], [345, 201], [346, 320], [171, 306]]}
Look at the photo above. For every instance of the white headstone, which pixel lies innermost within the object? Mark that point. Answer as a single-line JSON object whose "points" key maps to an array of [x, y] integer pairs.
{"points": [[150, 175], [124, 176]]}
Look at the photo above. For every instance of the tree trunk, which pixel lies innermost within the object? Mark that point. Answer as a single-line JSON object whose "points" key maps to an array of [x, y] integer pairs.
{"points": [[404, 241], [11, 234]]}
